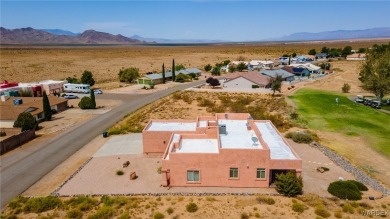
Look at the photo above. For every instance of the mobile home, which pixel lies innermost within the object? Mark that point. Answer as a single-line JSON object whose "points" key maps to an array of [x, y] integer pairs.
{"points": [[77, 88]]}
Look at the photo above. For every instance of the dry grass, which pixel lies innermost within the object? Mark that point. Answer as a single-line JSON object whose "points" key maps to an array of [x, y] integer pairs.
{"points": [[222, 207], [190, 104]]}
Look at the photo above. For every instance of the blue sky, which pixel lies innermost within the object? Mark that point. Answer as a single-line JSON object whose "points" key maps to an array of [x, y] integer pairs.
{"points": [[201, 19]]}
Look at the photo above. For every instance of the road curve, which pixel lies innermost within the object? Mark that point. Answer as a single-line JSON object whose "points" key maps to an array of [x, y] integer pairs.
{"points": [[21, 170]]}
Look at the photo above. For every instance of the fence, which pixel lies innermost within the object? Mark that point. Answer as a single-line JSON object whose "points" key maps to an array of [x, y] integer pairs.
{"points": [[15, 141]]}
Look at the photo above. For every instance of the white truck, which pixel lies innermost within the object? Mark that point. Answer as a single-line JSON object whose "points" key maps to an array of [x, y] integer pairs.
{"points": [[77, 88]]}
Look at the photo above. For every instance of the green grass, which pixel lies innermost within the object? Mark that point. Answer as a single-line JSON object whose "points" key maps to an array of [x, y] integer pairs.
{"points": [[319, 108]]}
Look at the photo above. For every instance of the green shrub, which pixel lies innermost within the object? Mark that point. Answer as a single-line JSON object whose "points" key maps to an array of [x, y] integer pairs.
{"points": [[321, 211], [359, 185], [17, 202], [103, 213], [191, 207], [169, 210], [82, 202], [345, 190], [158, 215], [289, 184], [255, 86], [298, 207], [86, 103], [346, 87], [42, 204], [265, 200], [119, 172], [347, 208], [106, 200], [74, 213], [26, 121], [2, 134], [300, 137], [257, 215]]}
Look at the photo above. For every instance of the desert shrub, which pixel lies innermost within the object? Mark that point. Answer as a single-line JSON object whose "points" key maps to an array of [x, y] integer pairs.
{"points": [[86, 103], [294, 115], [359, 185], [119, 172], [158, 215], [257, 215], [325, 169], [125, 215], [300, 137], [289, 184], [238, 107], [345, 88], [206, 103], [82, 202], [103, 213], [17, 202], [298, 207], [311, 200], [42, 204], [365, 205], [338, 214], [321, 211], [106, 200], [159, 169], [169, 210], [210, 199], [74, 213], [344, 190], [265, 200], [347, 208], [182, 78], [244, 215], [191, 207]]}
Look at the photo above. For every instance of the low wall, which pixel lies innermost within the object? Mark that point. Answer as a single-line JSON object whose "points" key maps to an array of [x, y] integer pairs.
{"points": [[15, 141]]}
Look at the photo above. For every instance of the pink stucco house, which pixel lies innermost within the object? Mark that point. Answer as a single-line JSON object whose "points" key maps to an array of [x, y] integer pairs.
{"points": [[228, 149]]}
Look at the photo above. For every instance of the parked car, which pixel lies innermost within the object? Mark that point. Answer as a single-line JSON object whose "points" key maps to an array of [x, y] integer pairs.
{"points": [[367, 102], [359, 99], [97, 91], [71, 96], [376, 104]]}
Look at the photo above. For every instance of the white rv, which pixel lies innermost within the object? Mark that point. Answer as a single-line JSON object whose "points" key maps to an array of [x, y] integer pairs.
{"points": [[77, 88]]}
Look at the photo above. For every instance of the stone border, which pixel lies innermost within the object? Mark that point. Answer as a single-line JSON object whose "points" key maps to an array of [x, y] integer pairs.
{"points": [[55, 193], [359, 174], [176, 194]]}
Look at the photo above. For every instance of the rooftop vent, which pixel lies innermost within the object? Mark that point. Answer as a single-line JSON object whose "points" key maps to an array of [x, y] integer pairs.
{"points": [[222, 129], [226, 116], [248, 126]]}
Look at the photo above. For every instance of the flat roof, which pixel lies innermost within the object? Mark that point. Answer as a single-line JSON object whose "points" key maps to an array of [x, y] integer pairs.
{"points": [[238, 136], [175, 138], [278, 148], [203, 123], [172, 126], [198, 146]]}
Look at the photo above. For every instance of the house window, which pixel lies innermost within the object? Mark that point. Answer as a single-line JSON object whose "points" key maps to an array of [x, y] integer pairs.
{"points": [[260, 173], [193, 175], [234, 173]]}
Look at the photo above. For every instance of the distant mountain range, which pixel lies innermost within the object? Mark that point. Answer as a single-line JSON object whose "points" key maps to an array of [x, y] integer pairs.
{"points": [[383, 32], [32, 36], [57, 36], [60, 32]]}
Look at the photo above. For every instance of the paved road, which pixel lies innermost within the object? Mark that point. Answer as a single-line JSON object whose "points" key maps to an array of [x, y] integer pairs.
{"points": [[21, 170]]}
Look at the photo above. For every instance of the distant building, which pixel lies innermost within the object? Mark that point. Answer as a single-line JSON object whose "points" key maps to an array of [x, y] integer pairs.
{"points": [[313, 69], [287, 76], [357, 57], [302, 72], [321, 55], [260, 64], [34, 105], [225, 150], [244, 80], [157, 78], [52, 86]]}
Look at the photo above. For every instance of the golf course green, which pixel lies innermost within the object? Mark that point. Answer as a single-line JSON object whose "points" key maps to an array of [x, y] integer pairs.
{"points": [[320, 110]]}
